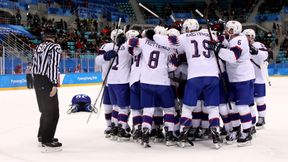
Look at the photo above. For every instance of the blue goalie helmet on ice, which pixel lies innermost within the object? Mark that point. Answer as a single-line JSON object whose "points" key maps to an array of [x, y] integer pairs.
{"points": [[81, 102]]}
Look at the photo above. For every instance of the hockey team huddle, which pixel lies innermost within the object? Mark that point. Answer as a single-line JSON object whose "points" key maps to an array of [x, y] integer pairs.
{"points": [[181, 86]]}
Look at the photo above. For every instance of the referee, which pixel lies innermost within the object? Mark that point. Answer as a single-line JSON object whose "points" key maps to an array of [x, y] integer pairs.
{"points": [[46, 59]]}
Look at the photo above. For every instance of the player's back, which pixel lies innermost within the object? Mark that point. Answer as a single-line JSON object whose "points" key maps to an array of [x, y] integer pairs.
{"points": [[242, 69], [259, 60], [201, 61], [154, 69], [99, 60], [120, 70], [135, 69]]}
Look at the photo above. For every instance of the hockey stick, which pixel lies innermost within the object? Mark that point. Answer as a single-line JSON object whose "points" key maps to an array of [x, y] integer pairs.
{"points": [[151, 12], [106, 76], [217, 60]]}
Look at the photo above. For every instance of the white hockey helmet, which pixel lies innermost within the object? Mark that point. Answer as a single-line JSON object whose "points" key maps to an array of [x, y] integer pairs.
{"points": [[250, 33], [173, 32], [131, 34], [233, 27], [160, 30], [190, 25], [143, 33], [115, 33]]}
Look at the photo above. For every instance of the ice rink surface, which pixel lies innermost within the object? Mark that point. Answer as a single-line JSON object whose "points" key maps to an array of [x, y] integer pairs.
{"points": [[19, 121]]}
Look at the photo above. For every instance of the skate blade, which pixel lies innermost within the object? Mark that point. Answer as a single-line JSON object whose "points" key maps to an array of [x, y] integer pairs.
{"points": [[107, 136], [146, 145], [137, 141], [181, 144], [217, 145], [230, 142], [260, 127], [121, 139], [248, 143], [51, 149], [170, 143], [158, 140], [113, 138]]}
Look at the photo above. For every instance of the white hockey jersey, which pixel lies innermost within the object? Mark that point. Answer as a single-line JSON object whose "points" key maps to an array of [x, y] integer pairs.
{"points": [[154, 66], [240, 68], [201, 61], [99, 60], [120, 70], [259, 62]]}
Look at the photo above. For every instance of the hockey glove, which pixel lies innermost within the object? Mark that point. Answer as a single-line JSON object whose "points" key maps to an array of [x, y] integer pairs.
{"points": [[109, 55], [214, 46], [174, 60], [253, 50], [150, 33]]}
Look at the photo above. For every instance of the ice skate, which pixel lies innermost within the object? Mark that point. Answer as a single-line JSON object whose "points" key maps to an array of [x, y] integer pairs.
{"points": [[51, 147], [261, 122], [215, 132], [169, 138], [159, 136], [145, 138], [233, 136], [123, 134], [114, 132], [245, 138], [137, 134], [253, 131], [183, 139], [107, 132]]}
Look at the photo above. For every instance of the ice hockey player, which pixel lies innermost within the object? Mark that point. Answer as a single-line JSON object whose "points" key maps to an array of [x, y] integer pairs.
{"points": [[134, 83], [259, 55], [105, 59], [155, 84], [241, 76], [202, 77]]}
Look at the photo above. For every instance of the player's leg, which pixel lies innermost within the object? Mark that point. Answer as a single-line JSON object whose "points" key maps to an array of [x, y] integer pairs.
{"points": [[244, 97], [108, 108], [192, 92], [115, 112], [211, 101], [148, 104], [137, 111], [123, 102], [167, 97], [259, 94]]}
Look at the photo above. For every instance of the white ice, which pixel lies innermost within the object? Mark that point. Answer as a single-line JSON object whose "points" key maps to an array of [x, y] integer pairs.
{"points": [[19, 121]]}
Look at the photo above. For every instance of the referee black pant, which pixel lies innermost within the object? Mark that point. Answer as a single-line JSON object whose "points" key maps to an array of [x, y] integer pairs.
{"points": [[48, 106]]}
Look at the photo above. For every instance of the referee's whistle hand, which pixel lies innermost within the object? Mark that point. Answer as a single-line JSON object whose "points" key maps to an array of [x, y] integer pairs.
{"points": [[53, 91]]}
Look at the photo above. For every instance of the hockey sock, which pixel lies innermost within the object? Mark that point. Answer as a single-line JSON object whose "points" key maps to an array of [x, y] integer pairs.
{"points": [[253, 114], [197, 115], [114, 118], [214, 116], [245, 116], [136, 118], [108, 113], [186, 117], [123, 116], [147, 117], [261, 106], [169, 118]]}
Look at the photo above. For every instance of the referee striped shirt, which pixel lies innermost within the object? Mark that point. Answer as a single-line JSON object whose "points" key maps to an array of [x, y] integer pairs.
{"points": [[46, 59]]}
